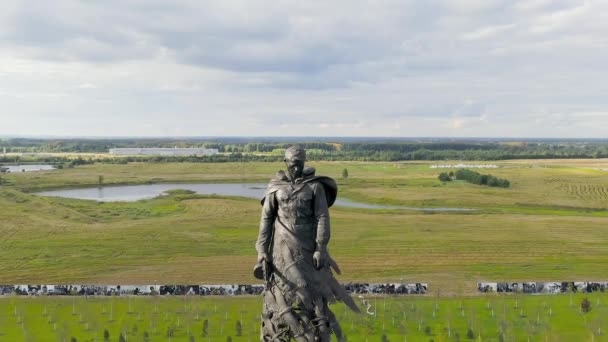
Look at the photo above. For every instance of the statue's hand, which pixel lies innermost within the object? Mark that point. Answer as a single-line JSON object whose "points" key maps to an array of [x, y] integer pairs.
{"points": [[319, 259], [262, 257], [262, 267]]}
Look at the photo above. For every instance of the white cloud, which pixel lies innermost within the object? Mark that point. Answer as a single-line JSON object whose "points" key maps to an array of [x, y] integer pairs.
{"points": [[458, 123], [561, 19], [487, 32], [86, 86], [412, 68], [532, 5]]}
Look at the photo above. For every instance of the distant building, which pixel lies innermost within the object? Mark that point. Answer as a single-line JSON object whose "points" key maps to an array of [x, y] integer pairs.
{"points": [[464, 166], [163, 151]]}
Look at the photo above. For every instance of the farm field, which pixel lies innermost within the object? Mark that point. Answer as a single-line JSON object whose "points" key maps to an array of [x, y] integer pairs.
{"points": [[550, 225], [414, 318]]}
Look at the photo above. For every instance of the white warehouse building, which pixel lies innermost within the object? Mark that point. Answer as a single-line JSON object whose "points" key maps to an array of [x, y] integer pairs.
{"points": [[163, 151]]}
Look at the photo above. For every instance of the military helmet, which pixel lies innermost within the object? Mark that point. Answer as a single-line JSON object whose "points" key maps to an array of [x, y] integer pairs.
{"points": [[295, 152]]}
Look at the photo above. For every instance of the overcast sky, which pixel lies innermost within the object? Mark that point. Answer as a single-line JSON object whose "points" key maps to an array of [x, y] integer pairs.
{"points": [[471, 68]]}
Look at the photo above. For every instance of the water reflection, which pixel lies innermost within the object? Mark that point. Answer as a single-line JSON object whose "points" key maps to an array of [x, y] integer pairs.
{"points": [[26, 168], [132, 193]]}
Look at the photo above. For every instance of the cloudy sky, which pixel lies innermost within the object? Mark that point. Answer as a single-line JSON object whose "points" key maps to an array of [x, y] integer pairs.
{"points": [[470, 68]]}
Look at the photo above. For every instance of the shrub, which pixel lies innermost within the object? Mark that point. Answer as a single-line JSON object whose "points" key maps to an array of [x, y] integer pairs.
{"points": [[239, 328], [470, 334], [427, 330], [205, 328], [345, 173], [479, 179], [585, 305], [444, 177]]}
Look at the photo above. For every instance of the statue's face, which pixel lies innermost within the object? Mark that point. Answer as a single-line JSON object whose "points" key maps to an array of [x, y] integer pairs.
{"points": [[295, 167]]}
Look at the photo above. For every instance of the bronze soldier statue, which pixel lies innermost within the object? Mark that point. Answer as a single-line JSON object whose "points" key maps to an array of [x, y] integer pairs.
{"points": [[293, 259]]}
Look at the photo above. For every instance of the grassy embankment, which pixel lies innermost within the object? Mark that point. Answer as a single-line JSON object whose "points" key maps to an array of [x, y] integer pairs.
{"points": [[488, 318], [550, 225]]}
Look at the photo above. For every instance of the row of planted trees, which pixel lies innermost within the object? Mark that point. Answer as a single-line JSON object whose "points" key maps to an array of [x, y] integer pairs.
{"points": [[385, 318]]}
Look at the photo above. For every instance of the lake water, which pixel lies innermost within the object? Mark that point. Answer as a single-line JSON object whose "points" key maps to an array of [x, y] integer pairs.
{"points": [[131, 193], [28, 168]]}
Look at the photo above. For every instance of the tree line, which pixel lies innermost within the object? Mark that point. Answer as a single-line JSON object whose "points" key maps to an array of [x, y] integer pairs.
{"points": [[474, 178], [248, 150]]}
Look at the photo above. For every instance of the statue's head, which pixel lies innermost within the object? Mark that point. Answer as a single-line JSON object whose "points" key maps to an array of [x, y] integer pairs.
{"points": [[295, 157]]}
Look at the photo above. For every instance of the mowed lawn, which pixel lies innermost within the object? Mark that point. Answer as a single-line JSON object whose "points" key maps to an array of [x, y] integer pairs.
{"points": [[552, 224]]}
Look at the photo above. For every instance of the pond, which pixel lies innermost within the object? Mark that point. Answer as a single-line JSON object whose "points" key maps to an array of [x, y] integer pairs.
{"points": [[27, 167], [132, 193]]}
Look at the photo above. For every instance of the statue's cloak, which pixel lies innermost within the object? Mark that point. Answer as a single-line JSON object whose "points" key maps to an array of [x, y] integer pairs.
{"points": [[308, 176]]}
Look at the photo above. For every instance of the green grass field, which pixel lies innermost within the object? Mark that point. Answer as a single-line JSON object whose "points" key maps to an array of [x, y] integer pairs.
{"points": [[571, 183], [550, 225], [487, 318]]}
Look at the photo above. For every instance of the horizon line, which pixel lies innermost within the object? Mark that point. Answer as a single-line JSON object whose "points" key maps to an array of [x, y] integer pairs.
{"points": [[48, 137]]}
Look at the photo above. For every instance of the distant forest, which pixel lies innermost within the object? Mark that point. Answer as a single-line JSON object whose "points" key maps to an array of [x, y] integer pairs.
{"points": [[352, 149]]}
